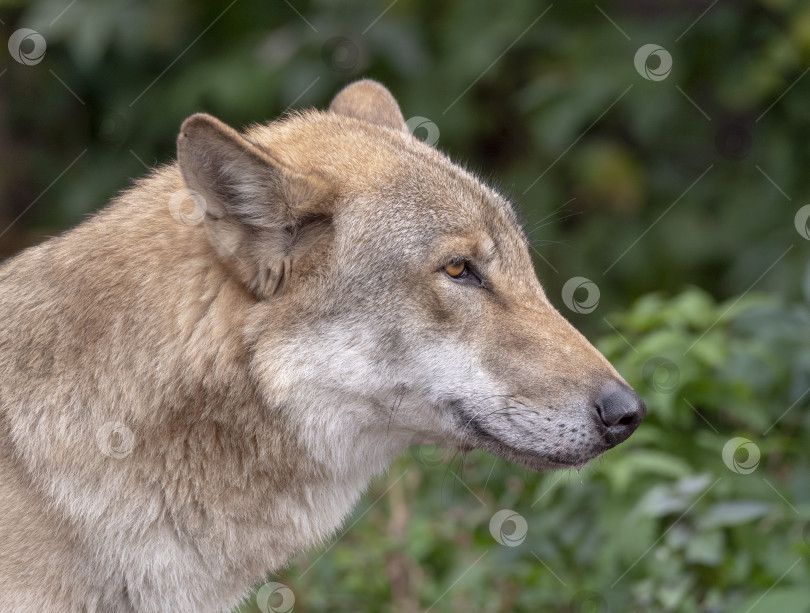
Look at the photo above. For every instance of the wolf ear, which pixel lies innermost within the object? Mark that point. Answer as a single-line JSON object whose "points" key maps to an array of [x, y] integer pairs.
{"points": [[260, 216], [369, 101]]}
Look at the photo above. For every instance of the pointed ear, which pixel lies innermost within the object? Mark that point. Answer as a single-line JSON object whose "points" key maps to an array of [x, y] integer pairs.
{"points": [[261, 217], [369, 101]]}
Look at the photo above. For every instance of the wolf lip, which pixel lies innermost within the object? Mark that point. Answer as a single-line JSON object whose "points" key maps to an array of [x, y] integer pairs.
{"points": [[486, 440]]}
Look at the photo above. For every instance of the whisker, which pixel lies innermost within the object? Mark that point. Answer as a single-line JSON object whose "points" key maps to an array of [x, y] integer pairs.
{"points": [[556, 211], [551, 222], [395, 406]]}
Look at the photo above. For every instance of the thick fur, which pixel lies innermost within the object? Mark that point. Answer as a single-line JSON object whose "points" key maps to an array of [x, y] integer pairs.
{"points": [[201, 379]]}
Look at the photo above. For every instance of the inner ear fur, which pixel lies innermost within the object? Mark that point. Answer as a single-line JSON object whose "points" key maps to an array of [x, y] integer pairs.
{"points": [[370, 101], [261, 218]]}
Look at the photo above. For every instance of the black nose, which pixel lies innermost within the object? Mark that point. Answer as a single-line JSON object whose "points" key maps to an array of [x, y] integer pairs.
{"points": [[621, 411]]}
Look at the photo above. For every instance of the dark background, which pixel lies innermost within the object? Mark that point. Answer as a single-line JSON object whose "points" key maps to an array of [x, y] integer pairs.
{"points": [[679, 200]]}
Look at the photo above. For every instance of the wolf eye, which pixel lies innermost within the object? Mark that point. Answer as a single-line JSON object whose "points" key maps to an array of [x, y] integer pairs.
{"points": [[461, 272], [456, 269]]}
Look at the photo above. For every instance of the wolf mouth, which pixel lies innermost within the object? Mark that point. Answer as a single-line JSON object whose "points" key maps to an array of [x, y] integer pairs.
{"points": [[482, 438]]}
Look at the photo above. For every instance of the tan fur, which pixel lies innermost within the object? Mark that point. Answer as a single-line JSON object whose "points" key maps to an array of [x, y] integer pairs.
{"points": [[200, 380]]}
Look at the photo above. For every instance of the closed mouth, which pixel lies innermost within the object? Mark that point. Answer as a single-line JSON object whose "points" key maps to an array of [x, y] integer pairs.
{"points": [[486, 440]]}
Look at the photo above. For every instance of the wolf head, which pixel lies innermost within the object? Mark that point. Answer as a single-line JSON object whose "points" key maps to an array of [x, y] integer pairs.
{"points": [[395, 297]]}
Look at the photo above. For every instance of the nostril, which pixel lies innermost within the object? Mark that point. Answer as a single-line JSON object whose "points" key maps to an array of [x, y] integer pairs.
{"points": [[626, 420], [620, 410]]}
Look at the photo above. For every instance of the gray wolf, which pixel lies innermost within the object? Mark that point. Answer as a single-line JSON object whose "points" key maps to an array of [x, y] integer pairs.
{"points": [[200, 380]]}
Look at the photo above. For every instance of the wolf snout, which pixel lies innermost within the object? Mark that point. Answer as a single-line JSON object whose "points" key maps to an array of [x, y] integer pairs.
{"points": [[620, 411]]}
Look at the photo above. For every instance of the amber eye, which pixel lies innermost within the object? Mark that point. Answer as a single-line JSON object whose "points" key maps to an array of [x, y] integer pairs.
{"points": [[461, 271], [455, 269]]}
